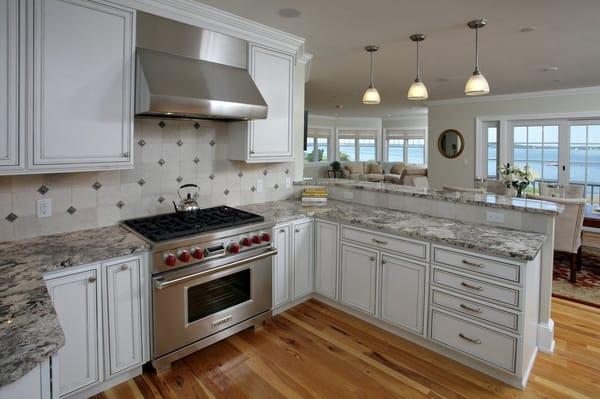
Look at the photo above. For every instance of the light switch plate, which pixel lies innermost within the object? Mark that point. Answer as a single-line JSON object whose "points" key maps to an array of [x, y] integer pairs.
{"points": [[494, 217], [259, 186], [44, 207], [288, 182], [349, 195]]}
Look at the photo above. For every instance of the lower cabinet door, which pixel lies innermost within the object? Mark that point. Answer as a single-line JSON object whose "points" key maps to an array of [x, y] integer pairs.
{"points": [[76, 300], [359, 278], [326, 258], [123, 316], [303, 244], [403, 293], [281, 265]]}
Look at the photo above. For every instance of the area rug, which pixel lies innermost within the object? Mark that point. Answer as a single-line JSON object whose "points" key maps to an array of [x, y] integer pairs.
{"points": [[587, 288]]}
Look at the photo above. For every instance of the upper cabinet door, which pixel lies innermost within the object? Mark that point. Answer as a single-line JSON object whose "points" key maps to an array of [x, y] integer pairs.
{"points": [[82, 94], [9, 84], [273, 73]]}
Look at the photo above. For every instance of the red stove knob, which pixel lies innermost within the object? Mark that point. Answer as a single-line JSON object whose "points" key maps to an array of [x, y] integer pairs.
{"points": [[265, 237], [256, 239], [185, 256], [246, 242], [234, 248], [197, 253], [170, 259]]}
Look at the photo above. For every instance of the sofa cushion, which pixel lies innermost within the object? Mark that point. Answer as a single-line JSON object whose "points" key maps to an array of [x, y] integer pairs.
{"points": [[375, 177], [393, 178], [374, 168], [356, 167], [397, 169], [415, 171]]}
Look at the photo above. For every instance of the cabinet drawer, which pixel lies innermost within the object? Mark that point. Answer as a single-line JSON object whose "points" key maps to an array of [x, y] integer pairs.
{"points": [[407, 247], [476, 264], [477, 310], [477, 288], [490, 346]]}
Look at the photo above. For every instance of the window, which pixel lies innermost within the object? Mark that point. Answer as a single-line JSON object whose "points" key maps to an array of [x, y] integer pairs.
{"points": [[357, 145], [317, 145], [536, 146], [584, 156], [406, 146], [492, 152]]}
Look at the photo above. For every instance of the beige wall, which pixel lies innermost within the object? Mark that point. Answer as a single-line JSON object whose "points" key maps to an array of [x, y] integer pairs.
{"points": [[461, 116]]}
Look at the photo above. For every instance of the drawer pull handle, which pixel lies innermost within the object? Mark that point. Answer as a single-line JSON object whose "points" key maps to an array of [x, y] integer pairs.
{"points": [[473, 287], [297, 230], [469, 263], [473, 340], [382, 242], [282, 230], [372, 258], [92, 279], [475, 310], [383, 262]]}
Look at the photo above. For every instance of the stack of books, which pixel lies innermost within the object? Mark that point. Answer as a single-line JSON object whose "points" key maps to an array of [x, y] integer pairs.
{"points": [[314, 196]]}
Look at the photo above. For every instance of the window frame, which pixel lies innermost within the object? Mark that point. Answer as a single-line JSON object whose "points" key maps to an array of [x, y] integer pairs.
{"points": [[363, 133], [404, 134], [315, 146]]}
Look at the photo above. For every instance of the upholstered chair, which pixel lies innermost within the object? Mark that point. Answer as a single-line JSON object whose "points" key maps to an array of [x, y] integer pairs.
{"points": [[567, 191], [456, 189], [420, 181], [497, 187], [567, 229]]}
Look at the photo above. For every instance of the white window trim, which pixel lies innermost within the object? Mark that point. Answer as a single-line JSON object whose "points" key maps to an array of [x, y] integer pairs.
{"points": [[404, 129], [376, 136], [330, 146]]}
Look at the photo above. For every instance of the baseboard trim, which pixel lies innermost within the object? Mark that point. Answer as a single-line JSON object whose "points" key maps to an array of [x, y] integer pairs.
{"points": [[545, 337], [107, 384]]}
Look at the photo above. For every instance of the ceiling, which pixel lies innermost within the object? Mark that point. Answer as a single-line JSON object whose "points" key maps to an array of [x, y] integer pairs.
{"points": [[566, 34]]}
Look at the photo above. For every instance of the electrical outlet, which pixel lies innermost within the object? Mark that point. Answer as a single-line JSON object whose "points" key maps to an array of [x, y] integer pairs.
{"points": [[349, 195], [44, 208], [288, 182], [259, 186], [494, 217]]}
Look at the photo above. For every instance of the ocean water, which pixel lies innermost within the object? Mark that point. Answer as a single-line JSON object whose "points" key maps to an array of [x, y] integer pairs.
{"points": [[395, 154]]}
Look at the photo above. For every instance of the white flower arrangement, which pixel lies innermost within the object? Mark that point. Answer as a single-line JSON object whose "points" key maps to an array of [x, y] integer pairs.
{"points": [[517, 178]]}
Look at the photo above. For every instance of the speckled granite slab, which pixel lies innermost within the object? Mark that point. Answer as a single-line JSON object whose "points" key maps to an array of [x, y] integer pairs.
{"points": [[29, 328], [486, 200], [515, 244]]}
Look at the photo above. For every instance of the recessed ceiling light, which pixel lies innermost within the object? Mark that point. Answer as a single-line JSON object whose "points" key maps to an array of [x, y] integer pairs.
{"points": [[528, 29], [289, 13], [550, 69]]}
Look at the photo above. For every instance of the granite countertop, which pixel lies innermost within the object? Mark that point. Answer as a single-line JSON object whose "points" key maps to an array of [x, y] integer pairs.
{"points": [[497, 241], [29, 328], [489, 200]]}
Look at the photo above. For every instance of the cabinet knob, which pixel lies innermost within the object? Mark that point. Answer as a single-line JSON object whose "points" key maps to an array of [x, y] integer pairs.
{"points": [[251, 151], [92, 279], [297, 230], [372, 258], [126, 154], [383, 262], [124, 267]]}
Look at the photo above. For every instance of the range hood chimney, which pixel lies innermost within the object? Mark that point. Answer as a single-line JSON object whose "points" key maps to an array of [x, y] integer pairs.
{"points": [[187, 72]]}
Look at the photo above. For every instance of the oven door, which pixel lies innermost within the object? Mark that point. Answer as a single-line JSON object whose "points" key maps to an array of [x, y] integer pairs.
{"points": [[192, 306]]}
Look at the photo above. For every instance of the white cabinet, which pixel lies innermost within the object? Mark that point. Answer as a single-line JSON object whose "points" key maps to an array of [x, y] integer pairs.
{"points": [[303, 259], [359, 278], [123, 315], [403, 293], [80, 83], [326, 258], [270, 139], [76, 298], [281, 265], [10, 137], [36, 384]]}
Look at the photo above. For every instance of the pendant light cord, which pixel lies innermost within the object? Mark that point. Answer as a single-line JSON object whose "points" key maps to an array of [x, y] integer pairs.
{"points": [[477, 49], [418, 65], [371, 69]]}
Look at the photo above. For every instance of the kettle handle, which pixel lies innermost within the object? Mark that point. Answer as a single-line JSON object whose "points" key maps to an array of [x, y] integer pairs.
{"points": [[189, 185]]}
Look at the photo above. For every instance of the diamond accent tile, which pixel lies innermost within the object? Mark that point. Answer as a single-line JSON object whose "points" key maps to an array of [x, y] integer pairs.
{"points": [[11, 217], [196, 160], [71, 210], [120, 204], [287, 171], [240, 174], [162, 124], [179, 142], [196, 126], [161, 162], [141, 182], [212, 176], [141, 143], [97, 186], [212, 142], [43, 189], [161, 199], [179, 179], [226, 192], [265, 172], [276, 186], [253, 189]]}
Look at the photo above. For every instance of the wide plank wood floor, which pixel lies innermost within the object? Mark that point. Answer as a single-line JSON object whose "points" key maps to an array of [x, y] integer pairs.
{"points": [[316, 351]]}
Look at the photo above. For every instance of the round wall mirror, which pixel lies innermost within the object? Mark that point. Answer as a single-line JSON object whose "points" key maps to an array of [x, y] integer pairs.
{"points": [[451, 143]]}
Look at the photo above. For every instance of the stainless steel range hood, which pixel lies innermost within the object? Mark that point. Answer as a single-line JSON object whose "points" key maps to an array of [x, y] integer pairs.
{"points": [[187, 72]]}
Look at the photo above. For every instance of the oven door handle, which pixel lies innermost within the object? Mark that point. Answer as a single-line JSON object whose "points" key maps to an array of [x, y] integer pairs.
{"points": [[160, 283]]}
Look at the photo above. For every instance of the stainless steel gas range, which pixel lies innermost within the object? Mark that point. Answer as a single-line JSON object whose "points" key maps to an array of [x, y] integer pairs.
{"points": [[211, 277]]}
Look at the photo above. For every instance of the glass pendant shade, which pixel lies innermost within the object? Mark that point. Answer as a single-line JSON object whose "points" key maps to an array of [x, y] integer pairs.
{"points": [[371, 96], [477, 85], [417, 91]]}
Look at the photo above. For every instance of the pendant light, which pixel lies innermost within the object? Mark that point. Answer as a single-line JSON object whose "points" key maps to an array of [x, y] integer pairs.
{"points": [[371, 96], [477, 85], [417, 90]]}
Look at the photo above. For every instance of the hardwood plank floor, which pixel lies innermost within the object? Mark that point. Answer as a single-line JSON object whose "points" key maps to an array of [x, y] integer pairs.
{"points": [[316, 351]]}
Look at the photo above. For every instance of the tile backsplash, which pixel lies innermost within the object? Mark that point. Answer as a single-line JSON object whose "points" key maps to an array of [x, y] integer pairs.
{"points": [[167, 154]]}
